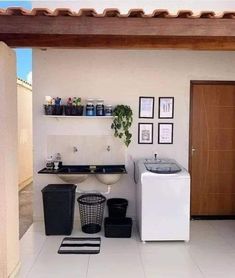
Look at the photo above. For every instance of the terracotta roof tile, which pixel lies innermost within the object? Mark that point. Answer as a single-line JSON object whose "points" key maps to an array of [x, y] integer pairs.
{"points": [[208, 14], [160, 13], [133, 13], [228, 15], [41, 12], [64, 12], [16, 11], [87, 12], [111, 13], [185, 14]]}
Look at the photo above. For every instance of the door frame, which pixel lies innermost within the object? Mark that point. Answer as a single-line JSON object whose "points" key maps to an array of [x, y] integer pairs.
{"points": [[201, 82]]}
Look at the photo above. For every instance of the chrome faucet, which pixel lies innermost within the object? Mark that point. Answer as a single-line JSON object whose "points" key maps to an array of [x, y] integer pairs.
{"points": [[155, 156], [75, 149]]}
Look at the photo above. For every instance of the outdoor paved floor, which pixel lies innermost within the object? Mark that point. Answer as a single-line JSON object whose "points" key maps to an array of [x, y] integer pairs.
{"points": [[25, 209], [209, 254]]}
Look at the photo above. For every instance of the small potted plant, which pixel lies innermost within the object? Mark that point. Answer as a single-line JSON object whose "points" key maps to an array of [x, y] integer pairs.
{"points": [[53, 106], [122, 121], [74, 107]]}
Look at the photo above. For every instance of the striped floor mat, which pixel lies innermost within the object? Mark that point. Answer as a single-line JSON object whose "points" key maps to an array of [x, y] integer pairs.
{"points": [[80, 245]]}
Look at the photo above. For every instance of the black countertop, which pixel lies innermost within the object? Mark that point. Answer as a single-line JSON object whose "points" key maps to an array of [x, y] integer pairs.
{"points": [[86, 169]]}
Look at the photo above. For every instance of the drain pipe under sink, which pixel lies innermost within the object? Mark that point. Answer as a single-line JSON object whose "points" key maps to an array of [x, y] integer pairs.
{"points": [[80, 191]]}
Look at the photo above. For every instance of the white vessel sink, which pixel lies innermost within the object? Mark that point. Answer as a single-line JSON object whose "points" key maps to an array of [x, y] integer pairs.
{"points": [[73, 178], [108, 178]]}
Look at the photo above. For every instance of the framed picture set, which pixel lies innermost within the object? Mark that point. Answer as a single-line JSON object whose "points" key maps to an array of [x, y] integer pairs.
{"points": [[166, 108], [145, 133], [165, 133], [146, 107]]}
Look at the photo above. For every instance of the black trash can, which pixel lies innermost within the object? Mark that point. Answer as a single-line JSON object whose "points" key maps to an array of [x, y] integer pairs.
{"points": [[58, 204], [91, 207], [117, 207]]}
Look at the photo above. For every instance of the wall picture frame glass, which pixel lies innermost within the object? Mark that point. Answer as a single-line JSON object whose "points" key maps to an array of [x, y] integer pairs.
{"points": [[165, 133], [146, 107], [145, 133], [166, 108]]}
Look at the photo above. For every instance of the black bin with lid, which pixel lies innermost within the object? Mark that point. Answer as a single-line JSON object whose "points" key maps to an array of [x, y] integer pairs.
{"points": [[117, 207], [117, 225], [58, 205]]}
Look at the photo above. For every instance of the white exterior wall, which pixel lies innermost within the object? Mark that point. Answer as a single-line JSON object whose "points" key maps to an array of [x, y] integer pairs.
{"points": [[25, 140], [9, 214], [118, 76]]}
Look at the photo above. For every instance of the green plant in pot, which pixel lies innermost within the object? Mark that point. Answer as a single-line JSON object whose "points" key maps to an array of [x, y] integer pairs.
{"points": [[122, 122]]}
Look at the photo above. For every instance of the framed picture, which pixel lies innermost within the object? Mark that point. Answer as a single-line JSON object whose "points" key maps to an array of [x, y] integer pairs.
{"points": [[145, 133], [166, 108], [165, 133], [146, 107]]}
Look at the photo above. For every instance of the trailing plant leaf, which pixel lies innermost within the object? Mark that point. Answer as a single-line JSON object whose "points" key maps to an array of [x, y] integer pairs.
{"points": [[122, 122]]}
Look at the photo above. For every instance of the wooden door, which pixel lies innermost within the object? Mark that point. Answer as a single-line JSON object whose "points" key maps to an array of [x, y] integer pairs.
{"points": [[212, 148]]}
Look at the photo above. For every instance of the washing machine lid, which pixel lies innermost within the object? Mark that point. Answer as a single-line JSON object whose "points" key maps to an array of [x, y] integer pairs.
{"points": [[163, 168]]}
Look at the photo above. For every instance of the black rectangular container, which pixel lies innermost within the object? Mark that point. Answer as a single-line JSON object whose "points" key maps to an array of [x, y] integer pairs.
{"points": [[58, 204], [118, 227], [53, 109]]}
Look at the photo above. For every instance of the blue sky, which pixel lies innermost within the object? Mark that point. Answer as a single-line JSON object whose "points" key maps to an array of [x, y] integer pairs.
{"points": [[24, 55]]}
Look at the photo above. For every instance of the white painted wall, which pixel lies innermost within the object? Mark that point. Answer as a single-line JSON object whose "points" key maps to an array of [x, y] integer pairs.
{"points": [[172, 5], [9, 215], [25, 140], [119, 76]]}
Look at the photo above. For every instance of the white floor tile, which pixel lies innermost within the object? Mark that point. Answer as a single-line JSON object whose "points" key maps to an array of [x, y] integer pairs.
{"points": [[60, 266], [115, 266], [51, 264], [30, 245], [164, 263], [214, 263], [204, 237], [227, 275], [210, 253], [226, 229], [158, 246], [223, 225]]}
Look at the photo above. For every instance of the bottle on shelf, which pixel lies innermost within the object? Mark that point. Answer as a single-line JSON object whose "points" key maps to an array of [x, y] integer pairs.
{"points": [[100, 107], [90, 108], [108, 110]]}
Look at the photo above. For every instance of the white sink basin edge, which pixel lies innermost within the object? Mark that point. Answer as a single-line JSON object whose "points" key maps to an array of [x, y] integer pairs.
{"points": [[108, 179], [73, 178]]}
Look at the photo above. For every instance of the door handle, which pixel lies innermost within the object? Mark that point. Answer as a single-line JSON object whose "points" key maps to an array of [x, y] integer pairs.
{"points": [[193, 150]]}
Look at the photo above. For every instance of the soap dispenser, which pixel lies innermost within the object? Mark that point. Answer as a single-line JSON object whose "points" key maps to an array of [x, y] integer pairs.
{"points": [[58, 161], [49, 163]]}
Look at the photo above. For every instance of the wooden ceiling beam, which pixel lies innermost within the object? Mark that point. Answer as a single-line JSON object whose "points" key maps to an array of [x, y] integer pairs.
{"points": [[117, 32]]}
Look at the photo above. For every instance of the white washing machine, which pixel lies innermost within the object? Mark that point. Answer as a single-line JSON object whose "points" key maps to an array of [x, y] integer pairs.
{"points": [[163, 200]]}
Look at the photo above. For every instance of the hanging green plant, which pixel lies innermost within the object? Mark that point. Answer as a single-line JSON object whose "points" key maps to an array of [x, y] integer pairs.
{"points": [[122, 122]]}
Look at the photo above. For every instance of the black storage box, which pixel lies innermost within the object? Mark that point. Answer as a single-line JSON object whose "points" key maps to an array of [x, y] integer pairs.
{"points": [[58, 204], [117, 227], [53, 109], [70, 110]]}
